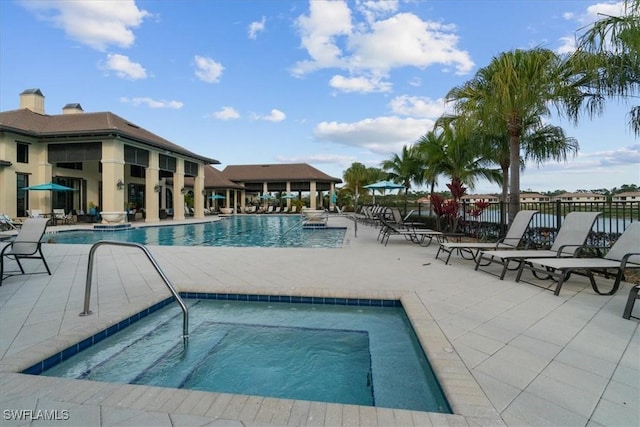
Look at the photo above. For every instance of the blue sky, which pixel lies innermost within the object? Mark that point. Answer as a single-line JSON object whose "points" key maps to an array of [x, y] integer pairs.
{"points": [[275, 81]]}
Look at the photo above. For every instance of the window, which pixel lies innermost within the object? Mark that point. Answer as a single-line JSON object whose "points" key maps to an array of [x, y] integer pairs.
{"points": [[137, 171], [22, 202], [74, 165], [23, 153]]}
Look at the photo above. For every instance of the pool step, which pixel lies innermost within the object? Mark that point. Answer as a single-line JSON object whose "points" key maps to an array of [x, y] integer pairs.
{"points": [[173, 367]]}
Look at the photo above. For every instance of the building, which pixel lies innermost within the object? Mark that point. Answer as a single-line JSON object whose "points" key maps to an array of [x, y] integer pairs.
{"points": [[629, 196], [116, 165], [581, 197]]}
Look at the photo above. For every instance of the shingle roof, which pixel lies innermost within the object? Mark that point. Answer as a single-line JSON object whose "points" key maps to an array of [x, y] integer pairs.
{"points": [[213, 179], [27, 122], [276, 172]]}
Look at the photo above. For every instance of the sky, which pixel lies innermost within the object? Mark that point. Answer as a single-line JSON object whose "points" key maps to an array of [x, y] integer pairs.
{"points": [[327, 83]]}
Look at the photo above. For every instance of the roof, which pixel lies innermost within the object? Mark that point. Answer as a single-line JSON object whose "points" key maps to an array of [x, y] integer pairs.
{"points": [[628, 194], [276, 172], [213, 179], [25, 121], [583, 194]]}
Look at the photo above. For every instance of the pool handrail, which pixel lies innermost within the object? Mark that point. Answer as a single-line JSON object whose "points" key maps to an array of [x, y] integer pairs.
{"points": [[165, 279]]}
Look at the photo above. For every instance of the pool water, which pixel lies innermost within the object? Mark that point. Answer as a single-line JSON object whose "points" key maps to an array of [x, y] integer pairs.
{"points": [[241, 230], [364, 355]]}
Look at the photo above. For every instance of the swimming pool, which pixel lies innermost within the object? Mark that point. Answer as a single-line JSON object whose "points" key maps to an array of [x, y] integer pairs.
{"points": [[239, 230], [364, 354]]}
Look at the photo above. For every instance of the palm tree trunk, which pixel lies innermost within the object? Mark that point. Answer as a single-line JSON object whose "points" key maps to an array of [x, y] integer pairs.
{"points": [[514, 178]]}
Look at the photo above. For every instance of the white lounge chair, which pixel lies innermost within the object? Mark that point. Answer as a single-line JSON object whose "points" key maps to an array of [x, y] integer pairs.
{"points": [[11, 224], [416, 235], [625, 253], [26, 245], [510, 241], [571, 238]]}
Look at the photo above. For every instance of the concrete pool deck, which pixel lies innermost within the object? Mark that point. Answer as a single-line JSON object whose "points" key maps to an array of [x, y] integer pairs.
{"points": [[506, 353]]}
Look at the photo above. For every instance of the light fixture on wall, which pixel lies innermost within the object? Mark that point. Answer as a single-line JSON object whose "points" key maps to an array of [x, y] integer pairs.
{"points": [[157, 188], [204, 192], [120, 184], [183, 190]]}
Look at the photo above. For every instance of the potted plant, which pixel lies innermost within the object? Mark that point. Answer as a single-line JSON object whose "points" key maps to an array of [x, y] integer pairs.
{"points": [[92, 209]]}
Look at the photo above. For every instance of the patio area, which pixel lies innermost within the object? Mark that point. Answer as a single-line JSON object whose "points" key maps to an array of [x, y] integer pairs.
{"points": [[506, 353]]}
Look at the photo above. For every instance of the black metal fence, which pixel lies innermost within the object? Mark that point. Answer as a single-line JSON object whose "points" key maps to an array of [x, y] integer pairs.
{"points": [[614, 218]]}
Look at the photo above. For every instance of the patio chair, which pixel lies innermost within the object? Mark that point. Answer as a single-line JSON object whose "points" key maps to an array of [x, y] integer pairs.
{"points": [[26, 245], [634, 294], [570, 240], [60, 217], [510, 241], [625, 253], [415, 235]]}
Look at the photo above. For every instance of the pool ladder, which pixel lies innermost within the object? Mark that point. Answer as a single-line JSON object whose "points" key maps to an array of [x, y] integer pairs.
{"points": [[165, 279]]}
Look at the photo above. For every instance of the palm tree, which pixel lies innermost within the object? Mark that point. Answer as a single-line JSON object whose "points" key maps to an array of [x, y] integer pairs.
{"points": [[610, 52], [355, 177], [514, 89], [403, 169]]}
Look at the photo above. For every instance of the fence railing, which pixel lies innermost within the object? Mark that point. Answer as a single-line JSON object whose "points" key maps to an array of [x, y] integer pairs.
{"points": [[615, 217]]}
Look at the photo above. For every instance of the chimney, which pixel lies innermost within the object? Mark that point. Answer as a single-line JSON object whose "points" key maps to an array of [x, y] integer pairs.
{"points": [[32, 99], [72, 109]]}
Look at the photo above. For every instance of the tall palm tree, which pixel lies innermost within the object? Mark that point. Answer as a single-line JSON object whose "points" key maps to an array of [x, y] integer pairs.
{"points": [[609, 50], [355, 178], [403, 169], [517, 87]]}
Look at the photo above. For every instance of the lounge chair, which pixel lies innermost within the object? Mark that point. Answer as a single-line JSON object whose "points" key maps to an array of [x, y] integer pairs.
{"points": [[571, 238], [60, 217], [625, 253], [634, 294], [270, 209], [510, 241], [277, 209], [10, 224], [294, 209], [416, 235], [26, 245]]}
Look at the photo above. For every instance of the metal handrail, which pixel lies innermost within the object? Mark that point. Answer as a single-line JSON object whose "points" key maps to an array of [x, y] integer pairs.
{"points": [[87, 291]]}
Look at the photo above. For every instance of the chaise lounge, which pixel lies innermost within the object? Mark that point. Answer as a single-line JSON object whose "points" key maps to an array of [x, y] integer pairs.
{"points": [[571, 238], [510, 241], [625, 253]]}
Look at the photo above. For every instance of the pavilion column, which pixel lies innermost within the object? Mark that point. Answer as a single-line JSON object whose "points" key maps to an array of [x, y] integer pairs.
{"points": [[243, 201], [288, 187], [332, 191], [178, 185], [199, 193], [112, 172], [151, 196], [313, 195]]}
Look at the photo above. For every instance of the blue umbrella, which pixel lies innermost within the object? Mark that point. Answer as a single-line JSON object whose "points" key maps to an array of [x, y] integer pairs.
{"points": [[383, 185], [266, 197], [216, 197], [50, 186], [289, 196]]}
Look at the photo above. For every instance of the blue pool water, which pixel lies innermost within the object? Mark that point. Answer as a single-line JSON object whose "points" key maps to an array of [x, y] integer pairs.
{"points": [[250, 230], [364, 355]]}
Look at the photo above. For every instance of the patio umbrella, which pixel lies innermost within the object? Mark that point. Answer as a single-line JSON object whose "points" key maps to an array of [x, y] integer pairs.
{"points": [[266, 197], [383, 185], [51, 187], [289, 196], [216, 197]]}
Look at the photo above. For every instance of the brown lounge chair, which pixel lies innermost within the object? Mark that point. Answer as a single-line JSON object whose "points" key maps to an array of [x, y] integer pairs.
{"points": [[510, 241], [571, 238], [625, 253]]}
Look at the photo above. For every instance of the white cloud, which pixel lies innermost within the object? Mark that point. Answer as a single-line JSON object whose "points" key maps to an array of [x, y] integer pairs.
{"points": [[591, 14], [124, 68], [416, 106], [152, 103], [275, 116], [333, 38], [226, 113], [97, 24], [359, 84], [256, 27], [207, 69], [381, 135]]}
